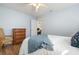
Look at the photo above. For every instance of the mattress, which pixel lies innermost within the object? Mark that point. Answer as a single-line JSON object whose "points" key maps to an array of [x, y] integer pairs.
{"points": [[61, 46]]}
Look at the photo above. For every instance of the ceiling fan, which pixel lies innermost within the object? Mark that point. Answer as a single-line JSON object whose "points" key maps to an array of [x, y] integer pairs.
{"points": [[37, 6]]}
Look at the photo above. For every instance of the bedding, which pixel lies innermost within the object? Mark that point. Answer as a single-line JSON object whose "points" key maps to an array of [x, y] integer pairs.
{"points": [[61, 46]]}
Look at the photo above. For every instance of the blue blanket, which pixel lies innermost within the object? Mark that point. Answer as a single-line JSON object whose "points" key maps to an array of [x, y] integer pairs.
{"points": [[38, 42]]}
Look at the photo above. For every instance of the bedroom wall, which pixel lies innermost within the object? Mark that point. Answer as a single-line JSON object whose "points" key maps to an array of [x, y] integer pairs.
{"points": [[64, 22], [14, 19]]}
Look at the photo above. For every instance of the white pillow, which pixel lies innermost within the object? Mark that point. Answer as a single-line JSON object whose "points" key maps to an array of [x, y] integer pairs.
{"points": [[60, 43]]}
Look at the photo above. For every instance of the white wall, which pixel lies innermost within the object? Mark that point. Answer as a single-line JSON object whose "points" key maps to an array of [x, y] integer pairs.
{"points": [[13, 19], [64, 22]]}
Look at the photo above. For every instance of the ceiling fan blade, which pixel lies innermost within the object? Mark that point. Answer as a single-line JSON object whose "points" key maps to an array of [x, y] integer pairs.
{"points": [[43, 5], [33, 4]]}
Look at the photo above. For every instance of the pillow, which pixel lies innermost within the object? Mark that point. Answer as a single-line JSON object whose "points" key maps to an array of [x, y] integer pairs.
{"points": [[60, 43], [75, 40], [35, 43]]}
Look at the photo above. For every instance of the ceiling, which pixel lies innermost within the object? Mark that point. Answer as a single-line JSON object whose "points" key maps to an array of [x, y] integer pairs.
{"points": [[28, 9]]}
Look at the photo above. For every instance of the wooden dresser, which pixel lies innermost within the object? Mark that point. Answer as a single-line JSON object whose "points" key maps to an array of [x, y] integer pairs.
{"points": [[19, 34]]}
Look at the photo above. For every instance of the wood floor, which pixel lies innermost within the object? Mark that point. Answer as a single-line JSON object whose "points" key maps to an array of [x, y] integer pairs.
{"points": [[10, 49]]}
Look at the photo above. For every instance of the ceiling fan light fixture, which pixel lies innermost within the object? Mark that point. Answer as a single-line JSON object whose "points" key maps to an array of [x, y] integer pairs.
{"points": [[37, 5]]}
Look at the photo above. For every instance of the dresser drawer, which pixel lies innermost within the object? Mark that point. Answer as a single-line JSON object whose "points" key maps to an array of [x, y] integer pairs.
{"points": [[19, 33], [19, 29], [19, 37], [17, 41]]}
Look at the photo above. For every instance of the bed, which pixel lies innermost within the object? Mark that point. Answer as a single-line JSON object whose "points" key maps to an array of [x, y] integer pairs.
{"points": [[61, 46]]}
